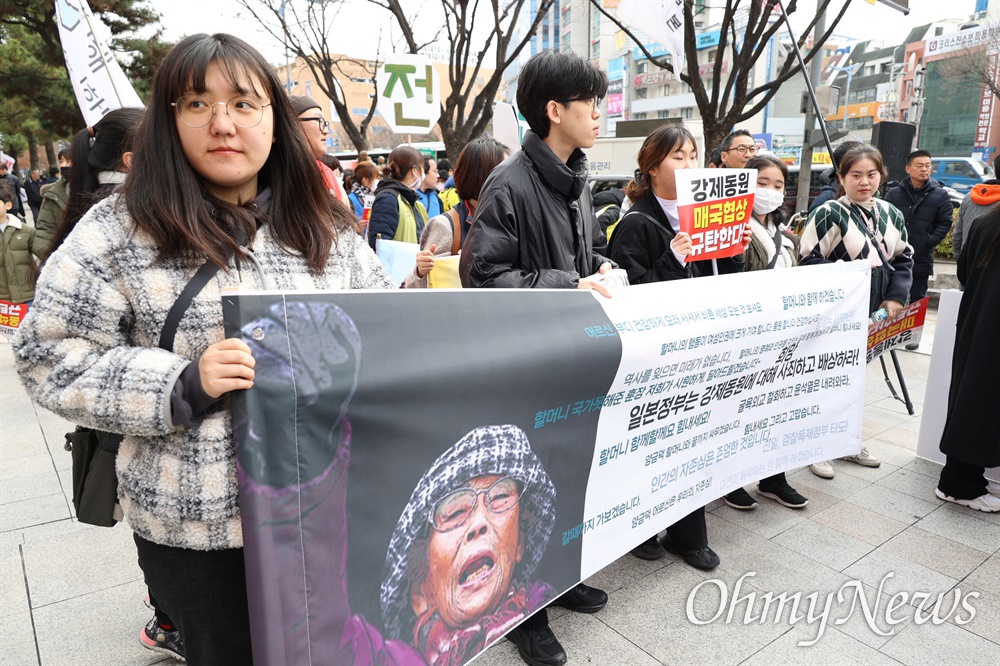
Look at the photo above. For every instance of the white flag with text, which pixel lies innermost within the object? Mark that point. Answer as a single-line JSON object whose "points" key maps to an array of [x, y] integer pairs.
{"points": [[661, 20], [98, 80]]}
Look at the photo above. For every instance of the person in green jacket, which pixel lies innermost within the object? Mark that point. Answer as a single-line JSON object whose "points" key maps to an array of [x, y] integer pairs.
{"points": [[55, 197], [18, 242]]}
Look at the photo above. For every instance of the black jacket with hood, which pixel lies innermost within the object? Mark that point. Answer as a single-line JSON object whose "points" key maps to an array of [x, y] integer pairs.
{"points": [[928, 213], [535, 225]]}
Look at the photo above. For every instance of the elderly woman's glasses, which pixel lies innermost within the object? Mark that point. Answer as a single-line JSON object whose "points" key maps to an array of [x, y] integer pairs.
{"points": [[453, 510], [324, 124], [195, 111]]}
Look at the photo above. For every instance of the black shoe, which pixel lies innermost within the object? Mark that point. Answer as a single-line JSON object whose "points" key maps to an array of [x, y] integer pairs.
{"points": [[740, 499], [537, 647], [700, 558], [783, 494], [582, 599], [650, 549], [913, 346]]}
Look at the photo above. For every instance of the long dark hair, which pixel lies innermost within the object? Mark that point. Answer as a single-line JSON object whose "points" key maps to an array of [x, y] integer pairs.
{"points": [[660, 143], [166, 197], [475, 163], [95, 149]]}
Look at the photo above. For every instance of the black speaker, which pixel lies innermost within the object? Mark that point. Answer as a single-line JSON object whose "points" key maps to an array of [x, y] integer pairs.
{"points": [[895, 141]]}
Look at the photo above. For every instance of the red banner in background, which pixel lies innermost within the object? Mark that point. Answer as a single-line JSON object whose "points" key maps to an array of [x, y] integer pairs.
{"points": [[714, 206], [11, 316], [906, 328]]}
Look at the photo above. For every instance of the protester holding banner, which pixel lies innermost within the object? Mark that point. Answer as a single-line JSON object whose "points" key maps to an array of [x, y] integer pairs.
{"points": [[444, 234], [396, 213], [649, 245], [535, 228], [222, 186], [970, 441], [858, 227], [770, 247], [103, 155]]}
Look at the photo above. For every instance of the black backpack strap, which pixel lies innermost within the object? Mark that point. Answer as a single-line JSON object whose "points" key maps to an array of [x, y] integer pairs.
{"points": [[183, 302]]}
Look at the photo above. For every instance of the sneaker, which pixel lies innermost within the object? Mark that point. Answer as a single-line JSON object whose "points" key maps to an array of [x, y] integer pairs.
{"points": [[705, 558], [864, 458], [650, 549], [582, 599], [740, 499], [913, 346], [987, 503], [784, 495], [537, 647], [823, 470], [993, 488], [156, 638]]}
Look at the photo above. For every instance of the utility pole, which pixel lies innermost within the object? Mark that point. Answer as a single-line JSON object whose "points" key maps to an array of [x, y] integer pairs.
{"points": [[805, 159]]}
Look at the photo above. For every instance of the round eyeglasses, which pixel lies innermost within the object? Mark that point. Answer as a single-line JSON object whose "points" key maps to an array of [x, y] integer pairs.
{"points": [[324, 124], [453, 510], [195, 111]]}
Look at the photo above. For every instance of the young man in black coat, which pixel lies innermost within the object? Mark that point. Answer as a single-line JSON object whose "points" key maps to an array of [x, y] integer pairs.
{"points": [[535, 228], [929, 213]]}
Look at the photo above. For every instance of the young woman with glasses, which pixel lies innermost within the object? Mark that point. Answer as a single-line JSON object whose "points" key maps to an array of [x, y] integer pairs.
{"points": [[221, 177]]}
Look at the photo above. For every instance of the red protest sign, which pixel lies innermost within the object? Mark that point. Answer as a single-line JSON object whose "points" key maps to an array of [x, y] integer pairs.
{"points": [[11, 316], [714, 206], [905, 328]]}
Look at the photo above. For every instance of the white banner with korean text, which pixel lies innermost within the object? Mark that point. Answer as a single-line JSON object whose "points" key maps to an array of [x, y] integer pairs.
{"points": [[98, 80], [722, 383]]}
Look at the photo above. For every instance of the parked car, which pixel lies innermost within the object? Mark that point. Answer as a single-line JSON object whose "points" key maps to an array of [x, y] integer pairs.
{"points": [[960, 173], [608, 181]]}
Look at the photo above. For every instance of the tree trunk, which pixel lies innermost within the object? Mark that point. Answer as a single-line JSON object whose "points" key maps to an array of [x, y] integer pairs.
{"points": [[32, 150], [50, 153]]}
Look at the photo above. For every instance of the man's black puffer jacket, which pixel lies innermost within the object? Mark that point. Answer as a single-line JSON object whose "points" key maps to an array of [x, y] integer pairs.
{"points": [[535, 225]]}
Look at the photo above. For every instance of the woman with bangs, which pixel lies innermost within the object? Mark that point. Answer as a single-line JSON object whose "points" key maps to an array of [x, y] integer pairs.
{"points": [[223, 186], [857, 226], [649, 244]]}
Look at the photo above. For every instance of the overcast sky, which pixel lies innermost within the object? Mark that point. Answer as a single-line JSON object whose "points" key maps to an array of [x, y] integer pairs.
{"points": [[362, 22]]}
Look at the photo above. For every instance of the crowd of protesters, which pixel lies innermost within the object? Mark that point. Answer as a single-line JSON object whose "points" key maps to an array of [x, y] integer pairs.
{"points": [[224, 173]]}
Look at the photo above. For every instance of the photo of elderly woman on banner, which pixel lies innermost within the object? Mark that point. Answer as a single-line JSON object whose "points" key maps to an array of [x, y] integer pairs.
{"points": [[369, 538], [422, 470]]}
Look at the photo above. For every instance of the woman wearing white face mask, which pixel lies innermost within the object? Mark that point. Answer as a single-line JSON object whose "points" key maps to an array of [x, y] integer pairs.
{"points": [[769, 248], [396, 213]]}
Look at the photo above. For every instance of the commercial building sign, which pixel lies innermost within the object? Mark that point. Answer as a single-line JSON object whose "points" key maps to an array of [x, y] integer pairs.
{"points": [[964, 39], [987, 104], [653, 79], [616, 105]]}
